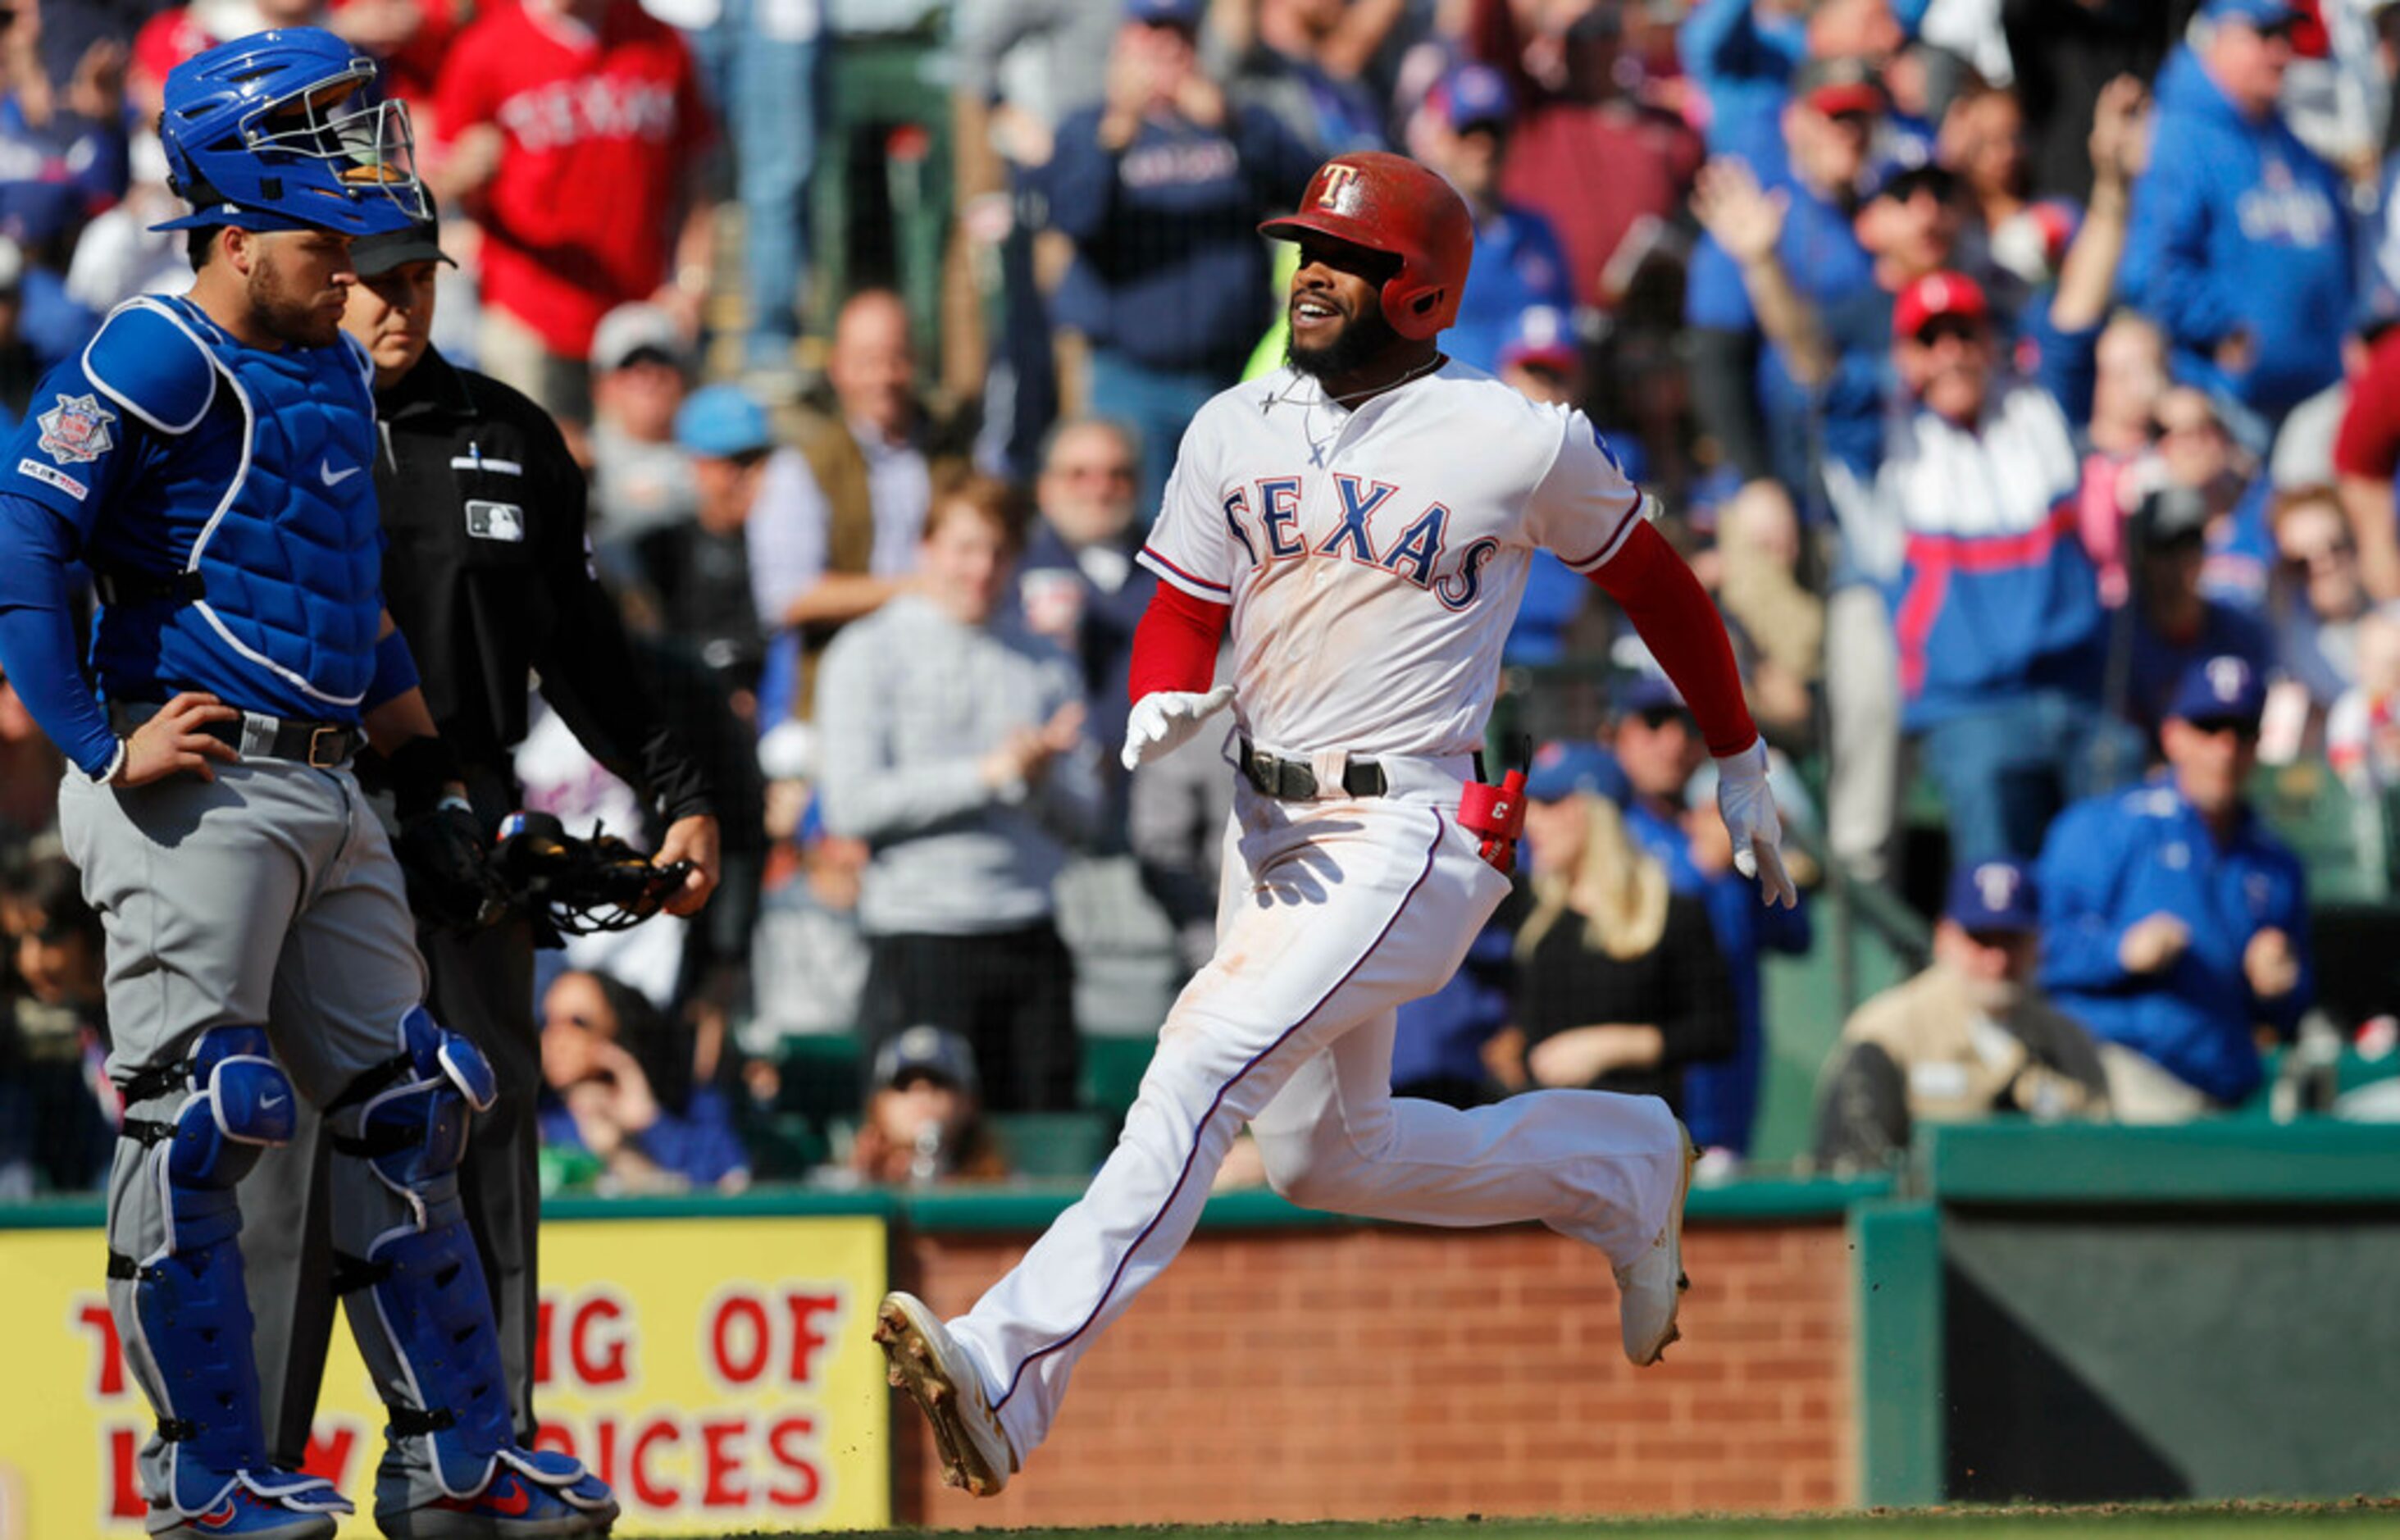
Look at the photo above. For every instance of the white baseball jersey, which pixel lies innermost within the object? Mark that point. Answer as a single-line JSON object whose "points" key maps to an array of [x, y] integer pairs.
{"points": [[1375, 557]]}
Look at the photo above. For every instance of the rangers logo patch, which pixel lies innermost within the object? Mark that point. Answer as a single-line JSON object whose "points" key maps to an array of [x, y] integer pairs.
{"points": [[76, 430]]}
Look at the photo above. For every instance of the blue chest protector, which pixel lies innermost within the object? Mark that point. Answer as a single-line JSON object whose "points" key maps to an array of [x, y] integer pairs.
{"points": [[246, 542]]}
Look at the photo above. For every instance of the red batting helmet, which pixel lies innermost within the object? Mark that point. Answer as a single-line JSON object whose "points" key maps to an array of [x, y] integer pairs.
{"points": [[1389, 203]]}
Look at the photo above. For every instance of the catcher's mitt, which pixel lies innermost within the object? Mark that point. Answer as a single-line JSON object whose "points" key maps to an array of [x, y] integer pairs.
{"points": [[577, 886]]}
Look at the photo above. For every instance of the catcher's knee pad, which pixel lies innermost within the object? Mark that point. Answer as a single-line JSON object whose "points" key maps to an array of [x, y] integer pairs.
{"points": [[407, 1118], [235, 1102], [187, 1302]]}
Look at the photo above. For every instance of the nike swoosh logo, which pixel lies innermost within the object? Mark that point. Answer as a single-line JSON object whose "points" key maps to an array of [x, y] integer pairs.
{"points": [[509, 1500], [266, 1102], [333, 477]]}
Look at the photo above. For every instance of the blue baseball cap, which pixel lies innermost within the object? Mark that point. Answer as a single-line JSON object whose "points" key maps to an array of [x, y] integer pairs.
{"points": [[1165, 13], [1543, 338], [723, 422], [2257, 15], [926, 1050], [1561, 769], [2223, 689], [1645, 691], [1992, 895], [1473, 95]]}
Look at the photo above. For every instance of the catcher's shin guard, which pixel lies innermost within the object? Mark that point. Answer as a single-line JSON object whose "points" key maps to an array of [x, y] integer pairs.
{"points": [[180, 1304], [415, 1292]]}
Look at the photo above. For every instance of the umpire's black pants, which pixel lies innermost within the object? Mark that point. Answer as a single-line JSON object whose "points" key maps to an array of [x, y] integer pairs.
{"points": [[482, 988]]}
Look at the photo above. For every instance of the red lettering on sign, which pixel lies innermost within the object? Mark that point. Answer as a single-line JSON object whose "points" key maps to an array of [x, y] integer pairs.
{"points": [[740, 1356], [651, 1493], [543, 1315], [787, 1441], [93, 1314], [723, 1469], [329, 1454], [597, 1343], [606, 1438], [804, 1310], [124, 1488]]}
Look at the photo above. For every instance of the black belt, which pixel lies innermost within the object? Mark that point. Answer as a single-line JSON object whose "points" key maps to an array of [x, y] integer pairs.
{"points": [[319, 746], [1294, 781]]}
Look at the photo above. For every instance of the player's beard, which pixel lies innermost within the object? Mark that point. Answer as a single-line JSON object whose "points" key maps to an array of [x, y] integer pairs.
{"points": [[292, 318], [1361, 340]]}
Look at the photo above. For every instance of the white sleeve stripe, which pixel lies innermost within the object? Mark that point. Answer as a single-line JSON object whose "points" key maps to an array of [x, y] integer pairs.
{"points": [[1198, 587], [1616, 541]]}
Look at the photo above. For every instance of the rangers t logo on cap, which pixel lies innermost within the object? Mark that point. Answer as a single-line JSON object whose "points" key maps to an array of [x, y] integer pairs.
{"points": [[1335, 192]]}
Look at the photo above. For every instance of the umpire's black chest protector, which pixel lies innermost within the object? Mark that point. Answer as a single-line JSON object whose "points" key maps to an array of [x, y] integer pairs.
{"points": [[483, 511]]}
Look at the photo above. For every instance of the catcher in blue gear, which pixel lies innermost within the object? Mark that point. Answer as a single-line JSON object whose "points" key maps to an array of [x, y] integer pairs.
{"points": [[209, 458]]}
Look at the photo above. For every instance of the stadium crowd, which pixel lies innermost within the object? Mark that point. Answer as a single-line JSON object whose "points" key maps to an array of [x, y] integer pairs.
{"points": [[2022, 377]]}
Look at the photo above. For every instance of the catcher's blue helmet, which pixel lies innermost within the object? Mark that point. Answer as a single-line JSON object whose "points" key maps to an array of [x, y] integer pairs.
{"points": [[285, 131]]}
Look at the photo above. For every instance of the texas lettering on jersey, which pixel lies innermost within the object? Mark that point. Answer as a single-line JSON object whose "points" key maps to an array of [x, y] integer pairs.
{"points": [[1373, 558]]}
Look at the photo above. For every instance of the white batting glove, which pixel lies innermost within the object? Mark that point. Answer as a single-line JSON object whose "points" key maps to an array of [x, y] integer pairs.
{"points": [[1164, 720], [1747, 805]]}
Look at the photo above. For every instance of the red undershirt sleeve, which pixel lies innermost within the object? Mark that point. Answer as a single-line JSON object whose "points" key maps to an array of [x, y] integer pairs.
{"points": [[1174, 646], [1673, 614]]}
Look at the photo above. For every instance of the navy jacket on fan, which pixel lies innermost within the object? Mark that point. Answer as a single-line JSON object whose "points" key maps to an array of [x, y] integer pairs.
{"points": [[1518, 264], [2120, 858], [2239, 227], [1168, 271]]}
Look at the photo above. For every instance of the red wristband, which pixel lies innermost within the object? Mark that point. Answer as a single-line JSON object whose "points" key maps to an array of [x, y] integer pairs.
{"points": [[1174, 646]]}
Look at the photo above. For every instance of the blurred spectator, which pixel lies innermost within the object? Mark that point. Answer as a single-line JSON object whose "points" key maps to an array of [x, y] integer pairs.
{"points": [[2062, 53], [1968, 1037], [2171, 624], [408, 38], [1161, 188], [838, 522], [698, 571], [1779, 620], [952, 744], [1022, 65], [1305, 62], [2175, 924], [1968, 515], [808, 960], [1745, 393], [119, 255], [30, 767], [1746, 70], [2197, 452], [1077, 583], [1607, 171], [1175, 812], [2129, 380], [1463, 134], [628, 1100], [2240, 244], [62, 160], [1661, 757], [923, 1122], [2363, 730], [1982, 139], [569, 130], [1619, 983], [642, 479], [58, 1115], [19, 369], [1541, 360], [2317, 599], [773, 84]]}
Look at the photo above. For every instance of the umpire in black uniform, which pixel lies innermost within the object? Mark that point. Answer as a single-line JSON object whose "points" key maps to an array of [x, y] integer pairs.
{"points": [[488, 573]]}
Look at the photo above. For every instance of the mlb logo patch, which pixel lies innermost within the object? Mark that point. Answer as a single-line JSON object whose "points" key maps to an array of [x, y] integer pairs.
{"points": [[490, 521], [76, 430]]}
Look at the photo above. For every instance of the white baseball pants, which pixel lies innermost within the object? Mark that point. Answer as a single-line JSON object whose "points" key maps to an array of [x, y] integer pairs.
{"points": [[1332, 914]]}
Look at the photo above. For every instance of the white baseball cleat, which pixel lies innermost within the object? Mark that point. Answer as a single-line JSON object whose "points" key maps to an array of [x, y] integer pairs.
{"points": [[1653, 1287], [927, 1362]]}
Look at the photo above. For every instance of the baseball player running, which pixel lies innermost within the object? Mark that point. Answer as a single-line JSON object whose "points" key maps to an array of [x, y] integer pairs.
{"points": [[211, 459], [1362, 521]]}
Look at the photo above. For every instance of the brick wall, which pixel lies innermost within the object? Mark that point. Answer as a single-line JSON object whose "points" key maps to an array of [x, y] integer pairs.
{"points": [[1368, 1374]]}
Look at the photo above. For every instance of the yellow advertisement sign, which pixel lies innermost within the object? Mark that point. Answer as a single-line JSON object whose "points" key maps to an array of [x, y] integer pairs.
{"points": [[718, 1373]]}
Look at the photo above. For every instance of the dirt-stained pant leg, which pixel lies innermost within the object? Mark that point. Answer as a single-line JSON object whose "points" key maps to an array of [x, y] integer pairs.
{"points": [[1335, 914]]}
